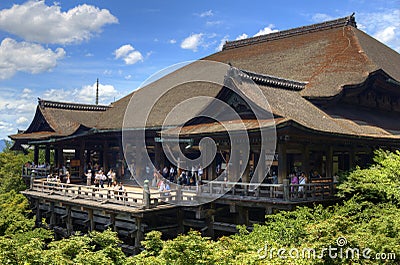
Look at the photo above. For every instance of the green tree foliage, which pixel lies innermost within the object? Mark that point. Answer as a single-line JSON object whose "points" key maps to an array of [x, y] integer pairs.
{"points": [[368, 218], [94, 248], [11, 163], [379, 183]]}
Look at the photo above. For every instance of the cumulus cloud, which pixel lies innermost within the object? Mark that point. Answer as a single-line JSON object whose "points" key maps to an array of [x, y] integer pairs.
{"points": [[26, 57], [88, 92], [22, 120], [383, 25], [386, 34], [35, 21], [192, 42], [222, 42], [266, 30], [172, 41], [6, 127], [241, 37], [128, 54], [85, 94]]}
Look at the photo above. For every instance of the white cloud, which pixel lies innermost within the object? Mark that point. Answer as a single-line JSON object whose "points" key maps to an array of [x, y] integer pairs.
{"points": [[86, 94], [172, 41], [213, 23], [386, 35], [22, 120], [26, 93], [107, 72], [266, 30], [6, 127], [222, 42], [208, 13], [383, 25], [241, 37], [192, 42], [320, 17], [37, 22], [26, 57], [128, 54]]}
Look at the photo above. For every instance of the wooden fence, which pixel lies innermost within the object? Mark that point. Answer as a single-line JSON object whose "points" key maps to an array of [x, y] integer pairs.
{"points": [[147, 198]]}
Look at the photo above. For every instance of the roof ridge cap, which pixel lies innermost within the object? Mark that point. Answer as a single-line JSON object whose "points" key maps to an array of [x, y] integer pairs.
{"points": [[274, 81], [336, 23], [71, 105]]}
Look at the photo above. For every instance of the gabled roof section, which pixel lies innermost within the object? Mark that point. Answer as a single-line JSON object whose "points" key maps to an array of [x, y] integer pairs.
{"points": [[337, 23], [325, 56], [60, 119]]}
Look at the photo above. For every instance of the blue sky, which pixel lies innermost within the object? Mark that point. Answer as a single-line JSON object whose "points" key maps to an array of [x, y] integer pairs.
{"points": [[57, 50]]}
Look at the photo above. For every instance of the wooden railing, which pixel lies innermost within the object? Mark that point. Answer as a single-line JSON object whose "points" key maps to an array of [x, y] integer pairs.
{"points": [[187, 194], [127, 197], [38, 172], [285, 191]]}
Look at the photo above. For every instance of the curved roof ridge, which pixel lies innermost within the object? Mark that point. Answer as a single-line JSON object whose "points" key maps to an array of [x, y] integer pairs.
{"points": [[337, 23], [71, 106], [274, 81]]}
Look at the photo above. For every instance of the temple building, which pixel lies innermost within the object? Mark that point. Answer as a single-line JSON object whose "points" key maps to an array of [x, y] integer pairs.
{"points": [[333, 92]]}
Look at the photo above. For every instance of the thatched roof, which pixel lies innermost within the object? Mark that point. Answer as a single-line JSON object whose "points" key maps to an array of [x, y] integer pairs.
{"points": [[57, 119], [327, 57]]}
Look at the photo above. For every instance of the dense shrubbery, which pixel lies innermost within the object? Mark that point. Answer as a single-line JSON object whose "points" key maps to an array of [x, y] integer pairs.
{"points": [[368, 218]]}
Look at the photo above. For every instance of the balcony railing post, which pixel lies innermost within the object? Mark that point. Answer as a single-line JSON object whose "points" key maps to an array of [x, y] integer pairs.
{"points": [[286, 190], [146, 194]]}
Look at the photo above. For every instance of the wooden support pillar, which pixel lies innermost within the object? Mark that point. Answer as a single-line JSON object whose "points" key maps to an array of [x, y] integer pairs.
{"points": [[112, 221], [55, 157], [82, 159], [305, 167], [52, 216], [246, 173], [329, 162], [38, 222], [68, 221], [105, 156], [179, 217], [234, 164], [208, 170], [139, 234], [60, 161], [91, 220], [261, 166], [242, 215], [139, 161], [36, 155], [47, 155], [282, 162], [158, 154], [352, 158], [210, 218]]}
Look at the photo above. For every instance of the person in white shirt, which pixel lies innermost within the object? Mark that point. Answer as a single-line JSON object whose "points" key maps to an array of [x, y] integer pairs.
{"points": [[89, 177]]}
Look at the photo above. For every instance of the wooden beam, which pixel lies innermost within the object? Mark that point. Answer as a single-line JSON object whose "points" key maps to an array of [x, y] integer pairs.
{"points": [[282, 162]]}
